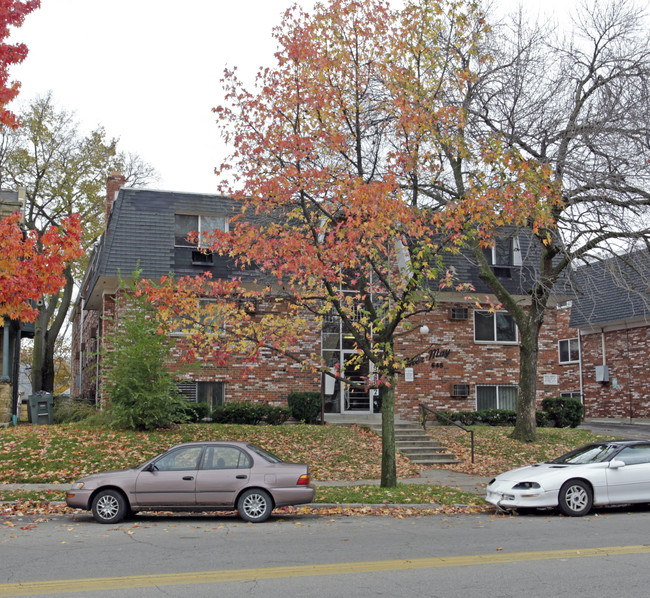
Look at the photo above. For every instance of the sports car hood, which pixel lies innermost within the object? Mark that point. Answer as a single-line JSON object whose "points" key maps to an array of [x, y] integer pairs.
{"points": [[533, 473]]}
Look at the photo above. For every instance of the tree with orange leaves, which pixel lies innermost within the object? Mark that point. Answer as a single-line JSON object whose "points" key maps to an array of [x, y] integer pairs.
{"points": [[32, 266], [343, 162], [12, 13]]}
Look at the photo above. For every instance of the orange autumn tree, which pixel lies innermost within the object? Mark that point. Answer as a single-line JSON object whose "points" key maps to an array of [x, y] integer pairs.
{"points": [[341, 164], [12, 14], [31, 267]]}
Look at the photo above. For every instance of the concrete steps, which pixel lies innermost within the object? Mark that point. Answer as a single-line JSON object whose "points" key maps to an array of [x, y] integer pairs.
{"points": [[412, 441]]}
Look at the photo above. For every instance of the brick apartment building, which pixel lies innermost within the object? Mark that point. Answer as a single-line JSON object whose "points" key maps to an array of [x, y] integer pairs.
{"points": [[473, 361], [612, 316]]}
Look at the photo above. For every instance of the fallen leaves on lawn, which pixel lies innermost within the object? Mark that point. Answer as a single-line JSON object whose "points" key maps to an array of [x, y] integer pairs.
{"points": [[64, 453], [495, 452]]}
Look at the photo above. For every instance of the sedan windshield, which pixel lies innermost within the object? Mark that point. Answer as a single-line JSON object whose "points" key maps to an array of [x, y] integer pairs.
{"points": [[592, 453]]}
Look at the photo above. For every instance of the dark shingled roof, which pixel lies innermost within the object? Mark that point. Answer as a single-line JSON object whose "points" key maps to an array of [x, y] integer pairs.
{"points": [[140, 233], [613, 290]]}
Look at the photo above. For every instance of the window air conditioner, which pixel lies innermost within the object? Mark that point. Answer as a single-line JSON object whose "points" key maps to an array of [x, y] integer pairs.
{"points": [[460, 390]]}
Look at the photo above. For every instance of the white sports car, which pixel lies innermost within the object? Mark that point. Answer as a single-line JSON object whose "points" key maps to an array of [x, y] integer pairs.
{"points": [[604, 473]]}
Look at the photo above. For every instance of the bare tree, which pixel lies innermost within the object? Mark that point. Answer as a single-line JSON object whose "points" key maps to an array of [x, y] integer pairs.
{"points": [[579, 102], [62, 171]]}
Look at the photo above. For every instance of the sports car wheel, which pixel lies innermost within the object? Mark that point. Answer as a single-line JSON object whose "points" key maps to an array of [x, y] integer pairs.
{"points": [[109, 506], [255, 505], [575, 498]]}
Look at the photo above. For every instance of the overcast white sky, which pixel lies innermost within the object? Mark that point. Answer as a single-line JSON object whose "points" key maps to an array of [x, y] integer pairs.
{"points": [[149, 70]]}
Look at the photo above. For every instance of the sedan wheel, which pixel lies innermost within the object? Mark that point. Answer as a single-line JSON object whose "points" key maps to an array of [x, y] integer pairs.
{"points": [[255, 505], [575, 498], [109, 506]]}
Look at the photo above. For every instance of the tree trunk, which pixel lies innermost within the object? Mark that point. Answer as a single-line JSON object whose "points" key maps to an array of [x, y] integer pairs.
{"points": [[388, 462], [526, 425], [45, 338]]}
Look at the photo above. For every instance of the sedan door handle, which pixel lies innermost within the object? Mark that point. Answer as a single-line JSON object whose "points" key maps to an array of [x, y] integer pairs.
{"points": [[188, 477], [241, 477]]}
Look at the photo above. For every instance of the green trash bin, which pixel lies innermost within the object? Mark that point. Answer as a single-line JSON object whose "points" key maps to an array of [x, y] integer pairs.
{"points": [[41, 408]]}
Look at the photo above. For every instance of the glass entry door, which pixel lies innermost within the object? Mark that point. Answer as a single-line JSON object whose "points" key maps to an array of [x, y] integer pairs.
{"points": [[355, 398]]}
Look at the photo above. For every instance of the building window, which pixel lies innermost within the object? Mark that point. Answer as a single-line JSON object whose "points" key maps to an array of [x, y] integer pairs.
{"points": [[504, 252], [497, 397], [569, 350], [184, 224], [500, 254], [212, 393], [494, 327], [571, 395], [503, 255]]}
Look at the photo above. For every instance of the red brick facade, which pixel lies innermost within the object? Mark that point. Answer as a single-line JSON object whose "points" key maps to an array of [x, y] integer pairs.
{"points": [[458, 359], [626, 393], [454, 358]]}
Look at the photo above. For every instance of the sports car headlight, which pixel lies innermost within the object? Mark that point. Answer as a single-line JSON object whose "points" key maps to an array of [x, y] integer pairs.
{"points": [[77, 486], [526, 486]]}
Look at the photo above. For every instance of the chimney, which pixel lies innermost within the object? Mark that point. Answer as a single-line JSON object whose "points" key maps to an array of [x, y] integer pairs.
{"points": [[114, 183]]}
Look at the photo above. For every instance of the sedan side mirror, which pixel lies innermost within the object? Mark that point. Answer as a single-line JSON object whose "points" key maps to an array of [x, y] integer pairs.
{"points": [[615, 464]]}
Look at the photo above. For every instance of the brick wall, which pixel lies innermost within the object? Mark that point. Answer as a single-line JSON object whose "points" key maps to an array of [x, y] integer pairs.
{"points": [[461, 360], [627, 355], [456, 359]]}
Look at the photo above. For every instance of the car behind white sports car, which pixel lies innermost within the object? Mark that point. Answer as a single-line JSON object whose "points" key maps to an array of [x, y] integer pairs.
{"points": [[604, 473]]}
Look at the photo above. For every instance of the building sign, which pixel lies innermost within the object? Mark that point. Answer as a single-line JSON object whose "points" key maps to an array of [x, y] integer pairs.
{"points": [[551, 379], [408, 375], [433, 357]]}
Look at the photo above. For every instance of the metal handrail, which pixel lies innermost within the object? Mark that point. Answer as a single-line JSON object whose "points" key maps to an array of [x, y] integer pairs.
{"points": [[423, 418]]}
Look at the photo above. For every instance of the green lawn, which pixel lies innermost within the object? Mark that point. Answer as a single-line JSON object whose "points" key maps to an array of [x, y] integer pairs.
{"points": [[62, 453]]}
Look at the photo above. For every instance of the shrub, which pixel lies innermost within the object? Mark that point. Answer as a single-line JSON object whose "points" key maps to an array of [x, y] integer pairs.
{"points": [[142, 392], [250, 414], [492, 417], [67, 410], [564, 411], [543, 419], [276, 416], [305, 406], [496, 417], [196, 412]]}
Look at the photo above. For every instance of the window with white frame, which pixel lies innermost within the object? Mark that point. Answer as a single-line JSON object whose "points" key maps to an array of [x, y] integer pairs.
{"points": [[569, 350], [571, 395], [494, 327], [184, 224], [496, 397], [504, 252]]}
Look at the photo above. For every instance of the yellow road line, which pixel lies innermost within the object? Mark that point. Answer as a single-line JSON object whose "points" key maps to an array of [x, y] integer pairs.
{"points": [[61, 586]]}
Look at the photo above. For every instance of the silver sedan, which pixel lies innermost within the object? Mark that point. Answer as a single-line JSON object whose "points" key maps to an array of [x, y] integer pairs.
{"points": [[197, 476]]}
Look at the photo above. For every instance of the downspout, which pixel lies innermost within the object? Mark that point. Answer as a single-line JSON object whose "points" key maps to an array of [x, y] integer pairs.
{"points": [[80, 363], [582, 389], [97, 359], [629, 373]]}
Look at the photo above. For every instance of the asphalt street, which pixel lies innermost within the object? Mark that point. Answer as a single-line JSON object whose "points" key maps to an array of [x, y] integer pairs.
{"points": [[604, 554]]}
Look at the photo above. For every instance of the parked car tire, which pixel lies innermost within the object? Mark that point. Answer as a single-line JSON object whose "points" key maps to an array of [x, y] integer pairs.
{"points": [[254, 505], [575, 498], [109, 506]]}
